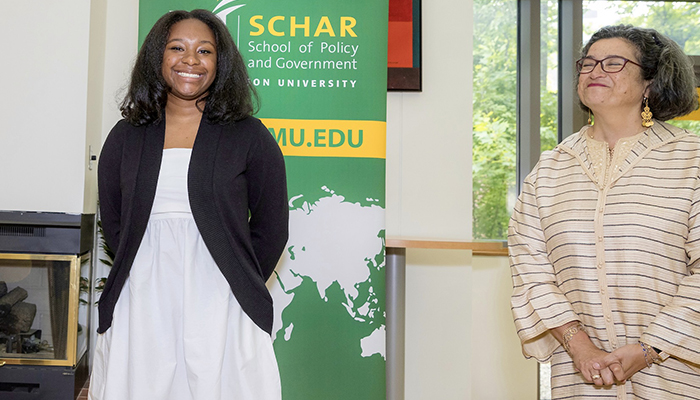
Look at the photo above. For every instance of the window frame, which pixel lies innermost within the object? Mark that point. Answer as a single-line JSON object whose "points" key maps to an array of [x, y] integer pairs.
{"points": [[570, 116]]}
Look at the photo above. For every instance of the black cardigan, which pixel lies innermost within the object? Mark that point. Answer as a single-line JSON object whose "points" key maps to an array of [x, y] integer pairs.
{"points": [[238, 195]]}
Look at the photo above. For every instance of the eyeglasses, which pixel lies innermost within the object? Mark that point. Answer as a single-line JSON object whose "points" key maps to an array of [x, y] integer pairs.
{"points": [[611, 64]]}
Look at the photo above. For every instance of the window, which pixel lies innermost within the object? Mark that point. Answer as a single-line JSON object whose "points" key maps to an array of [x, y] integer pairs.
{"points": [[494, 124]]}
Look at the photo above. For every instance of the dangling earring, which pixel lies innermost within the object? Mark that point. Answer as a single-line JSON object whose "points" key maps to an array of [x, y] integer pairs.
{"points": [[646, 114], [589, 117]]}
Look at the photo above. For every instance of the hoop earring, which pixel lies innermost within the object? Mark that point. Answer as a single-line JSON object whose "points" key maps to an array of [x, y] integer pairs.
{"points": [[590, 122], [646, 114]]}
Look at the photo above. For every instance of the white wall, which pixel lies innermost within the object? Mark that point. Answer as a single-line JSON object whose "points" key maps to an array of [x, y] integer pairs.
{"points": [[43, 106], [499, 370], [429, 133], [438, 354], [460, 338], [60, 98], [96, 76], [121, 44]]}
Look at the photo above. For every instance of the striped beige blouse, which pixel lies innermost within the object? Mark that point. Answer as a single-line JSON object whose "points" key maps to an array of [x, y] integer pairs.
{"points": [[617, 248]]}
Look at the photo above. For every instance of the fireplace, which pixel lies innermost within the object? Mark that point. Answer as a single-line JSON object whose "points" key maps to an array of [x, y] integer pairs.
{"points": [[45, 304]]}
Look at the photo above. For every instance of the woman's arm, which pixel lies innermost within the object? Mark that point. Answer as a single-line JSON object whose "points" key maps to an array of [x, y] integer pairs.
{"points": [[109, 185], [676, 329], [537, 303], [267, 201]]}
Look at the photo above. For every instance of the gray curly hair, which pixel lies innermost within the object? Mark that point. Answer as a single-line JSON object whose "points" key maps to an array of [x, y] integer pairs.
{"points": [[672, 92]]}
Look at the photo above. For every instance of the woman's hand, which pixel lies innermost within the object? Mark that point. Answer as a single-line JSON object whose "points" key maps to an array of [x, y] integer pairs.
{"points": [[625, 361], [588, 359]]}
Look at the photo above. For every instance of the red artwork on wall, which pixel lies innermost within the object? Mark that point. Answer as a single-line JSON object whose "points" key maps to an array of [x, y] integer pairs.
{"points": [[404, 45], [400, 34]]}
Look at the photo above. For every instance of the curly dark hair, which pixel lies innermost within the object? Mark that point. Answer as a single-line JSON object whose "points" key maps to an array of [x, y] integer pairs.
{"points": [[231, 96], [672, 91]]}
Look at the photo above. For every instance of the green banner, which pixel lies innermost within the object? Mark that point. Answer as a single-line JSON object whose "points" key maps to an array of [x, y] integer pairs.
{"points": [[320, 70]]}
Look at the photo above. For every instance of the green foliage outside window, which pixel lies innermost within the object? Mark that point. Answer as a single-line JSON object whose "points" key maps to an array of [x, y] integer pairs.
{"points": [[494, 160], [494, 131]]}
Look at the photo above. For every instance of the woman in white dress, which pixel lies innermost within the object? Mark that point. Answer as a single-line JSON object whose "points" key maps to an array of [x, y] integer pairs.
{"points": [[193, 203]]}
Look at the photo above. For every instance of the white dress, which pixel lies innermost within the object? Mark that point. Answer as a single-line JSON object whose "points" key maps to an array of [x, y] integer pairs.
{"points": [[178, 332]]}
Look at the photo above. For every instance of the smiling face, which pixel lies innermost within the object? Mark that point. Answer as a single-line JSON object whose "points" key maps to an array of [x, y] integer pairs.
{"points": [[189, 60], [621, 91]]}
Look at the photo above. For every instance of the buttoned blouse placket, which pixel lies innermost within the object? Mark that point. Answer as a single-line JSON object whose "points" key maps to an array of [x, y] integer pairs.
{"points": [[607, 169]]}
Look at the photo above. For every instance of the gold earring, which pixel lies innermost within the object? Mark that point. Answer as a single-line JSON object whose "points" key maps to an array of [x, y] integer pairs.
{"points": [[646, 114], [589, 117]]}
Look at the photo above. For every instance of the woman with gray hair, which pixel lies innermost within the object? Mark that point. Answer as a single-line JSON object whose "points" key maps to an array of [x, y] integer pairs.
{"points": [[604, 241]]}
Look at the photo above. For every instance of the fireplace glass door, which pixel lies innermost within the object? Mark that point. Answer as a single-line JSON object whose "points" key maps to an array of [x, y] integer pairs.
{"points": [[44, 304]]}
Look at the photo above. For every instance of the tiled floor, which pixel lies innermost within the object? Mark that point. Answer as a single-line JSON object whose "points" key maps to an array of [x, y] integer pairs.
{"points": [[83, 392]]}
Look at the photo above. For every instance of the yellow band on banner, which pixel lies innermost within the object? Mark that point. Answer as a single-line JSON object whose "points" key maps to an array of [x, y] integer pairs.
{"points": [[329, 138], [693, 116]]}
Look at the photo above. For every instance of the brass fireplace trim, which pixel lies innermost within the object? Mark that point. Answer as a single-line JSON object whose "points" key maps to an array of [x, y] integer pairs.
{"points": [[73, 307]]}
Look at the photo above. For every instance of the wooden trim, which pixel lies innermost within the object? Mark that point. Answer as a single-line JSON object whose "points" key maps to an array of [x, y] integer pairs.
{"points": [[477, 248]]}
